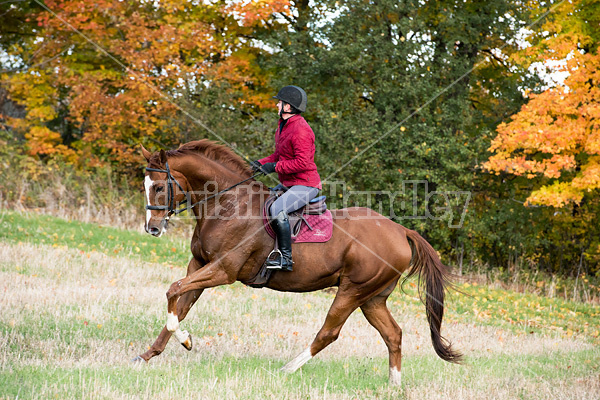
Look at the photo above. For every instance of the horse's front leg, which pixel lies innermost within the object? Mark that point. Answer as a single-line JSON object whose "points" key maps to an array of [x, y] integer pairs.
{"points": [[211, 275], [183, 307]]}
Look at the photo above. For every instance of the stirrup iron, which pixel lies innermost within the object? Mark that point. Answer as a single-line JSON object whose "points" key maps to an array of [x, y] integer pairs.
{"points": [[273, 257]]}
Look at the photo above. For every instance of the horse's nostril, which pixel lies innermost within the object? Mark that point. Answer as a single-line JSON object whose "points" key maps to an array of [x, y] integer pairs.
{"points": [[154, 231]]}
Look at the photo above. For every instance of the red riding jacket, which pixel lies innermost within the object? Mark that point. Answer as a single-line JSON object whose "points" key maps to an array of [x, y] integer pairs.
{"points": [[295, 154]]}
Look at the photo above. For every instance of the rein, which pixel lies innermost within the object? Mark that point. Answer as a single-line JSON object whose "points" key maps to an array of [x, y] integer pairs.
{"points": [[170, 207]]}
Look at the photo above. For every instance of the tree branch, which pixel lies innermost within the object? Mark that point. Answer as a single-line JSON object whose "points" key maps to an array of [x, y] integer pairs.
{"points": [[495, 57]]}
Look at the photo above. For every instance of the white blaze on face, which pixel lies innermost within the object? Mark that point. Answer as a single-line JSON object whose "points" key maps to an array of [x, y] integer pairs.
{"points": [[147, 185]]}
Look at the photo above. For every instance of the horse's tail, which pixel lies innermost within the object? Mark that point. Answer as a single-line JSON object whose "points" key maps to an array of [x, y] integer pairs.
{"points": [[428, 266]]}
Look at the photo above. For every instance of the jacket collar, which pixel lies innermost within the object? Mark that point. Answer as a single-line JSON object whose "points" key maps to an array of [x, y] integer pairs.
{"points": [[283, 123], [291, 119]]}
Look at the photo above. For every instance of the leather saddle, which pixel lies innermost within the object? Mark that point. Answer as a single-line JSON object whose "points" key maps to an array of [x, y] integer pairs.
{"points": [[315, 207]]}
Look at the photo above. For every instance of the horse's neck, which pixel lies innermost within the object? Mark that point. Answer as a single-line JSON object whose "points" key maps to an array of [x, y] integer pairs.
{"points": [[201, 175], [206, 179]]}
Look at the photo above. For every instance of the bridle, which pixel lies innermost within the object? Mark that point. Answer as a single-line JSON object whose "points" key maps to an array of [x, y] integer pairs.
{"points": [[170, 207]]}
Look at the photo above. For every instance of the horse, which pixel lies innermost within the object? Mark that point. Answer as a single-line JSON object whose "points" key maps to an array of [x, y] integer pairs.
{"points": [[365, 258]]}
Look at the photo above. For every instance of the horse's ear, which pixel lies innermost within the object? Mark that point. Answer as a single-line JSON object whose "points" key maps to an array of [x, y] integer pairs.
{"points": [[145, 153], [163, 157]]}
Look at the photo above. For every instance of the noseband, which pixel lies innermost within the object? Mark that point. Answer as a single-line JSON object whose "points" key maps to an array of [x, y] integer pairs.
{"points": [[170, 207]]}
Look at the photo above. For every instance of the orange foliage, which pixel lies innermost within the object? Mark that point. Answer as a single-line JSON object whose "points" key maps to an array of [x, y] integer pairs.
{"points": [[126, 84], [556, 135], [256, 12]]}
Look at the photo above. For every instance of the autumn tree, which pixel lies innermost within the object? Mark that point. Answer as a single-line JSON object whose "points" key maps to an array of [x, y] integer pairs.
{"points": [[550, 149], [555, 138], [97, 78]]}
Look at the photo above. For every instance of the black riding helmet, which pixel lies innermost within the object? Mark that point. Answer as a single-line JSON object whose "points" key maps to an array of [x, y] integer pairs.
{"points": [[294, 96]]}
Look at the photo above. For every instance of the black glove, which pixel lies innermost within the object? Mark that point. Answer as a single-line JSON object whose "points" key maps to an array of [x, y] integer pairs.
{"points": [[278, 188], [255, 165], [268, 168]]}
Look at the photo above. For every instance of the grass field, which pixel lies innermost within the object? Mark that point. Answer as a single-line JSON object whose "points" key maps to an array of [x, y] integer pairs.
{"points": [[78, 301]]}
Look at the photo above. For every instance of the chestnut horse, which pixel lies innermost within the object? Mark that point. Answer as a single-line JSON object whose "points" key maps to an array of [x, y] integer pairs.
{"points": [[365, 257]]}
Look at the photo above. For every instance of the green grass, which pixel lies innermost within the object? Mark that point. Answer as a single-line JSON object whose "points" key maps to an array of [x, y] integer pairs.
{"points": [[78, 301], [518, 312], [222, 377], [526, 312], [511, 310], [45, 229]]}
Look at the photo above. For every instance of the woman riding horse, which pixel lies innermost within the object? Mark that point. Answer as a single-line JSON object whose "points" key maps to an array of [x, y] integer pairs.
{"points": [[365, 257], [293, 160]]}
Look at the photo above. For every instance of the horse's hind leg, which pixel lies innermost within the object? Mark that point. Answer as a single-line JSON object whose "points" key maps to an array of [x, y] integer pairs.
{"points": [[343, 305], [184, 305], [378, 315]]}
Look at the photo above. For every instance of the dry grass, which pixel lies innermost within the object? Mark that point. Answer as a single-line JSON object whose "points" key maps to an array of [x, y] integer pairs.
{"points": [[71, 321]]}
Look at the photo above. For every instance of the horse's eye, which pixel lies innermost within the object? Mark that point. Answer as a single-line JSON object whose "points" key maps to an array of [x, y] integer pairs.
{"points": [[159, 189]]}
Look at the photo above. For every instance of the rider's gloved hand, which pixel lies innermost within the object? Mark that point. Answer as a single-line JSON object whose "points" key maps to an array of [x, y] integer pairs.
{"points": [[268, 168], [279, 187], [255, 165]]}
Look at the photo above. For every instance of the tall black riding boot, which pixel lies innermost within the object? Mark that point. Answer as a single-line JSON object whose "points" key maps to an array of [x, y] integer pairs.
{"points": [[281, 226]]}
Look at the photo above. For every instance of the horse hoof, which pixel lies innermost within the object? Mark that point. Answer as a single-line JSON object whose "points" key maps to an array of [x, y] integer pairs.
{"points": [[187, 343], [138, 360]]}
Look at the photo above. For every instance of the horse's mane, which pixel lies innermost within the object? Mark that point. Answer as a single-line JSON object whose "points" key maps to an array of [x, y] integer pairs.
{"points": [[214, 151]]}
